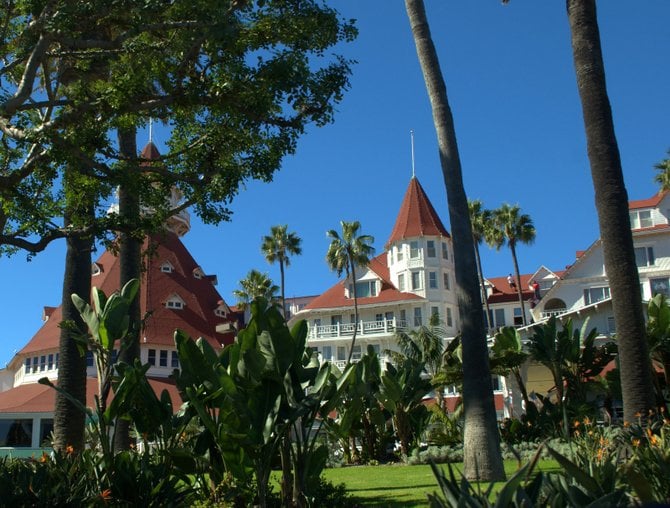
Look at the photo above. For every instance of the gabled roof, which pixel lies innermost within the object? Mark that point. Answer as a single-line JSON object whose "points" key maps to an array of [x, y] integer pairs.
{"points": [[651, 202], [197, 318], [503, 292], [416, 217], [335, 297]]}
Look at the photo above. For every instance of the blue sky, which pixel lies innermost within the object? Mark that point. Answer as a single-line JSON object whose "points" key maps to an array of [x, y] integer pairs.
{"points": [[511, 86]]}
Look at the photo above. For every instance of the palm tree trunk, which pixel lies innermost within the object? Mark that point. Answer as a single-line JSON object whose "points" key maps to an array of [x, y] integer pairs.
{"points": [[130, 261], [612, 204], [353, 338], [283, 297], [69, 421], [485, 298], [519, 291], [482, 457]]}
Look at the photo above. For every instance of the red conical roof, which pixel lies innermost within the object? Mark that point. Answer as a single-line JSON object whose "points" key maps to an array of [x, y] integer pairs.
{"points": [[150, 152], [185, 281], [417, 217]]}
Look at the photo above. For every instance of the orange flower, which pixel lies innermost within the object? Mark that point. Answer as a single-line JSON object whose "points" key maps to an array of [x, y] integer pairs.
{"points": [[106, 495], [587, 421], [636, 442], [654, 440], [44, 457], [69, 449], [576, 424]]}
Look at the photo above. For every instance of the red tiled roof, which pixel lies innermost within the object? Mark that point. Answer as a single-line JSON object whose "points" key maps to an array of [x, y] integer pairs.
{"points": [[503, 292], [417, 217], [335, 297], [37, 398], [150, 152], [657, 227], [651, 202], [197, 318]]}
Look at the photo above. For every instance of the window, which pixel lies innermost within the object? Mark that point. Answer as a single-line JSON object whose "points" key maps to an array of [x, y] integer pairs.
{"points": [[56, 362], [641, 219], [152, 357], [174, 357], [174, 304], [416, 280], [418, 321], [593, 295], [43, 363], [430, 249], [341, 353], [17, 432], [328, 353], [450, 318], [27, 366], [445, 251], [364, 289], [432, 280], [50, 362], [403, 317], [220, 312], [163, 358], [518, 317], [500, 317], [336, 319], [495, 381], [379, 317], [389, 316], [401, 282], [46, 428], [447, 286], [660, 286], [376, 348], [352, 318], [166, 267], [35, 360], [434, 311], [95, 269], [356, 353], [400, 253], [644, 256], [89, 358], [413, 250]]}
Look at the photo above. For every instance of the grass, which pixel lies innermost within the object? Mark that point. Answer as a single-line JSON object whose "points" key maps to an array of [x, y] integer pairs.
{"points": [[399, 485]]}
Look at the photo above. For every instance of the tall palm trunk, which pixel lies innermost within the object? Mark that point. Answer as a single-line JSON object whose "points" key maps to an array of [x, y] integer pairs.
{"points": [[353, 338], [69, 421], [482, 457], [519, 290], [283, 295], [130, 261], [485, 296], [612, 204]]}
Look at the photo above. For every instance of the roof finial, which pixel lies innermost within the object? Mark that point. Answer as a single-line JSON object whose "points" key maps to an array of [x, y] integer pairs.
{"points": [[151, 130], [411, 135]]}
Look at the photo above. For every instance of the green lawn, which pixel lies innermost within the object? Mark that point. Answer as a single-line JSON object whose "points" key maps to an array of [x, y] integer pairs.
{"points": [[398, 485]]}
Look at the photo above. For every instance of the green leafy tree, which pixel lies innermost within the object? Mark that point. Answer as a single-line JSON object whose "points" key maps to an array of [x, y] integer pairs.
{"points": [[662, 178], [481, 220], [255, 285], [508, 356], [277, 247], [514, 228], [658, 335], [345, 253], [482, 456], [611, 201]]}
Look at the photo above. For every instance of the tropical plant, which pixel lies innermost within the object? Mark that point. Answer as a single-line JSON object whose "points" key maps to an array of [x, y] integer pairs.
{"points": [[663, 176], [255, 285], [513, 228], [481, 221], [508, 357], [345, 253], [658, 335], [611, 201], [481, 438], [278, 246]]}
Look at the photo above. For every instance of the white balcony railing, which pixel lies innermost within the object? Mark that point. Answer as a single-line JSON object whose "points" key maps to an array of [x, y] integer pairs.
{"points": [[549, 313], [383, 327]]}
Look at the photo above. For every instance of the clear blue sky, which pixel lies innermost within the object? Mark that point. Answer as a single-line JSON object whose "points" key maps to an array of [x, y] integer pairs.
{"points": [[511, 85]]}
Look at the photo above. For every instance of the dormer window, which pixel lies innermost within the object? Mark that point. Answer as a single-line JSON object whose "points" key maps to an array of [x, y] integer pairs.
{"points": [[167, 267], [198, 273], [364, 289], [220, 313], [641, 219], [96, 269], [174, 302]]}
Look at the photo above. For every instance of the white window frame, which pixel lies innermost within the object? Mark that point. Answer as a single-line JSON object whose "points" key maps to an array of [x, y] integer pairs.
{"points": [[447, 284], [416, 281], [432, 280], [589, 292], [638, 221], [431, 252], [167, 267], [414, 249], [445, 251], [450, 317], [644, 256], [401, 282]]}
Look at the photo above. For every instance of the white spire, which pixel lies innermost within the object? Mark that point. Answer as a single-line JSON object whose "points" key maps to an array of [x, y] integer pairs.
{"points": [[411, 135], [151, 130]]}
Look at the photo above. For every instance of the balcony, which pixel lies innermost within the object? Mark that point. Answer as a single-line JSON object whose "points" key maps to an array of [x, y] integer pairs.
{"points": [[552, 313], [345, 330]]}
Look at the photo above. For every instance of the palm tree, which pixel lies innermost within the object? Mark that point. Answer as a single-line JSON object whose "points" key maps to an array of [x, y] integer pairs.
{"points": [[255, 285], [344, 253], [481, 220], [663, 176], [612, 205], [277, 247], [514, 227], [481, 441]]}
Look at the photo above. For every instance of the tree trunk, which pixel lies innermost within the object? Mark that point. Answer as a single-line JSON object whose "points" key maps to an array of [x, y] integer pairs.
{"points": [[482, 457], [519, 291], [69, 421], [611, 201], [130, 262], [283, 296], [485, 297], [353, 338]]}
